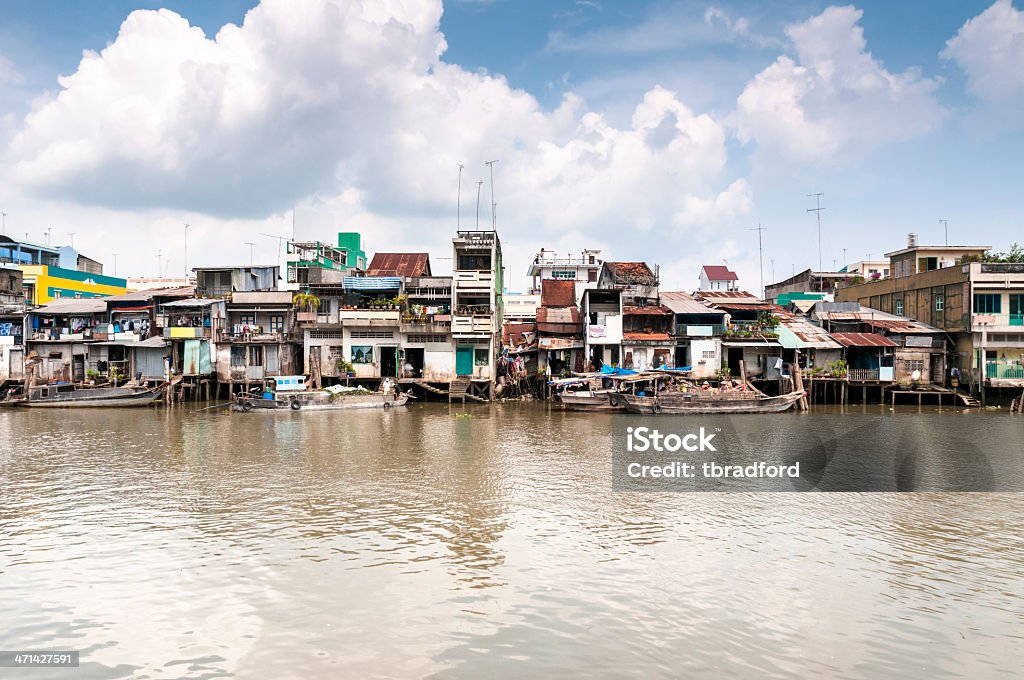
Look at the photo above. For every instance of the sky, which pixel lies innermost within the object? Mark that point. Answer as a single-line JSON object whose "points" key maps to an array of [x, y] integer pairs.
{"points": [[652, 130]]}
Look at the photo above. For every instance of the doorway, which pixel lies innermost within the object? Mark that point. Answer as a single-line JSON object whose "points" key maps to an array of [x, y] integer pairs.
{"points": [[388, 362], [464, 360], [683, 356], [413, 367], [735, 357]]}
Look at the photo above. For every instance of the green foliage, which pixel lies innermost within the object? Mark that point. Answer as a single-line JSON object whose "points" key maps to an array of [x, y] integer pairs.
{"points": [[1016, 254], [306, 302], [344, 367]]}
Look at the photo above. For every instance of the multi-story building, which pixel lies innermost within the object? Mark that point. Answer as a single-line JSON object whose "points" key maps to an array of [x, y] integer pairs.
{"points": [[258, 339], [697, 332], [981, 304], [12, 317], [477, 308], [582, 270], [221, 282]]}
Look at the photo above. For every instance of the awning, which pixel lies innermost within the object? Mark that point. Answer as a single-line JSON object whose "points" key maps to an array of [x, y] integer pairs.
{"points": [[191, 303], [863, 340]]}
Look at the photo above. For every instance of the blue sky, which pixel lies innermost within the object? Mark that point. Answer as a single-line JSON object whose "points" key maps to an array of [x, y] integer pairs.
{"points": [[654, 130]]}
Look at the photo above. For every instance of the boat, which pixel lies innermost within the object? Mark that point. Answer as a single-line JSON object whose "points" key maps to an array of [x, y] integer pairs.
{"points": [[289, 393], [707, 401], [75, 396], [587, 400], [583, 392]]}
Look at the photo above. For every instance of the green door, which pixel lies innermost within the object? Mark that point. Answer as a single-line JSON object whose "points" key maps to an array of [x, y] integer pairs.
{"points": [[464, 360]]}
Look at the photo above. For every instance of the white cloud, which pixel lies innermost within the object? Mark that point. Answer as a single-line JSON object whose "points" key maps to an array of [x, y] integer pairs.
{"points": [[348, 106], [990, 50], [9, 75], [834, 98]]}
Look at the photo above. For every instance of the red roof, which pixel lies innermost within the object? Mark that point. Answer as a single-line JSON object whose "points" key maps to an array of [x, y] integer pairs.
{"points": [[632, 273], [717, 272], [555, 293], [862, 340], [399, 264], [648, 310]]}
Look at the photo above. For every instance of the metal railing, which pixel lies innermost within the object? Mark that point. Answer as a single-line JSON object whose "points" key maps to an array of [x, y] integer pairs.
{"points": [[1017, 319], [863, 374], [1004, 371]]}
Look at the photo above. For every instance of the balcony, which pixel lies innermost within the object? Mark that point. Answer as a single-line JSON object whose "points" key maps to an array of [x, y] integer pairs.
{"points": [[996, 322], [703, 330], [473, 279], [439, 323], [1004, 371], [884, 374], [185, 332], [1017, 319], [471, 324], [370, 317], [259, 337]]}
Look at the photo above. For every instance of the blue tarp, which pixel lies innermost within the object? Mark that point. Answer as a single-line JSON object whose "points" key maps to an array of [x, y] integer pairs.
{"points": [[372, 282], [679, 368], [610, 370]]}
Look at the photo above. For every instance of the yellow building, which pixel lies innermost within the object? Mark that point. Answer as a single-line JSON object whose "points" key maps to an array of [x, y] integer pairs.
{"points": [[44, 283]]}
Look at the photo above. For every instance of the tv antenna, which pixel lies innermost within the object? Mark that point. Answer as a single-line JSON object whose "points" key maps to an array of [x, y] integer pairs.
{"points": [[479, 184], [458, 201], [494, 206], [280, 239], [251, 245], [945, 224]]}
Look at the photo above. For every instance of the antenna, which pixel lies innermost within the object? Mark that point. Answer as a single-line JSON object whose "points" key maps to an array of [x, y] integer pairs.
{"points": [[250, 244], [945, 223], [187, 225], [279, 240], [844, 257], [817, 211], [5, 222], [458, 201], [760, 254], [49, 229], [293, 222], [159, 262], [479, 184], [71, 238], [115, 262], [773, 269], [494, 221]]}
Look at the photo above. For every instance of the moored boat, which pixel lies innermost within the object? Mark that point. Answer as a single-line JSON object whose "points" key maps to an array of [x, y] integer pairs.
{"points": [[707, 402], [74, 396], [289, 393], [586, 400]]}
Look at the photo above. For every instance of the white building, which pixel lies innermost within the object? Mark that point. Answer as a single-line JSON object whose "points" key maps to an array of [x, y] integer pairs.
{"points": [[583, 269], [718, 277]]}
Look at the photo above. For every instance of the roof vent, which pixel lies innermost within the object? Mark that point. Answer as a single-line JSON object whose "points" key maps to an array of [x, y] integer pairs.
{"points": [[912, 239]]}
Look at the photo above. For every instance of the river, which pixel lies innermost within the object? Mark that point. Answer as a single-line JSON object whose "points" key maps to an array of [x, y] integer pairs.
{"points": [[480, 541]]}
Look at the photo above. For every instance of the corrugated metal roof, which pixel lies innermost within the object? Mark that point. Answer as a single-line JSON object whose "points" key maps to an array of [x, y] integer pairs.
{"points": [[648, 310], [76, 306], [656, 337], [192, 303], [556, 293], [632, 272], [726, 295], [561, 315], [684, 303], [559, 343], [901, 326], [862, 340], [798, 334], [150, 293], [399, 264]]}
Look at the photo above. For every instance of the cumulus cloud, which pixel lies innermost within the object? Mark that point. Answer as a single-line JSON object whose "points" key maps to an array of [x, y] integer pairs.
{"points": [[834, 97], [349, 104], [990, 50]]}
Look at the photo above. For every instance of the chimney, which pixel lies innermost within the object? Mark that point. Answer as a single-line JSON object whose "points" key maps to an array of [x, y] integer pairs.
{"points": [[912, 239]]}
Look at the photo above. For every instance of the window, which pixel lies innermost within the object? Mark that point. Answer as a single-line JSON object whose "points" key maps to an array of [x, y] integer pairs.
{"points": [[911, 365], [708, 354], [362, 354], [940, 301], [277, 323], [592, 275], [427, 338], [366, 335], [237, 356], [475, 262], [481, 356], [1017, 304], [247, 319], [899, 308], [564, 275], [56, 294], [988, 303]]}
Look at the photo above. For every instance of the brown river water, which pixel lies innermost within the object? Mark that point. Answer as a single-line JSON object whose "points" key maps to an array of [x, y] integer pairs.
{"points": [[482, 541]]}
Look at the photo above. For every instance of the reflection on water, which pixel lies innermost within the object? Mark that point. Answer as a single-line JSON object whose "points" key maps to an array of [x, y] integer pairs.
{"points": [[417, 543]]}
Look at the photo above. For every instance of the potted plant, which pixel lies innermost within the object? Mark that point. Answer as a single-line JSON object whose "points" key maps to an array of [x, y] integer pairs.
{"points": [[306, 305], [345, 368]]}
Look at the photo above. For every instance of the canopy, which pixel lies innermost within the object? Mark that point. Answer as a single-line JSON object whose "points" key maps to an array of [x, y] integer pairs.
{"points": [[611, 370]]}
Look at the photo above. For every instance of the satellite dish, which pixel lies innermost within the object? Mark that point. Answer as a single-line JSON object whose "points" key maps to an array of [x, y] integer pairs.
{"points": [[916, 375]]}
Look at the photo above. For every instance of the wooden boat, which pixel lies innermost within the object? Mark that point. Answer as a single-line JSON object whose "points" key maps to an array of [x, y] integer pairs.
{"points": [[74, 396], [698, 401], [586, 400], [279, 396]]}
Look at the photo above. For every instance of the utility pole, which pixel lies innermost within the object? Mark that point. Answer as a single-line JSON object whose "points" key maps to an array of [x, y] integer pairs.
{"points": [[494, 221], [945, 224], [115, 262], [5, 222], [817, 211], [773, 269], [760, 254], [479, 185], [458, 201], [187, 225], [250, 244]]}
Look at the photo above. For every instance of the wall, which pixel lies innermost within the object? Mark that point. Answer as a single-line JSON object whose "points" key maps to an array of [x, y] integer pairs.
{"points": [[705, 368], [52, 280]]}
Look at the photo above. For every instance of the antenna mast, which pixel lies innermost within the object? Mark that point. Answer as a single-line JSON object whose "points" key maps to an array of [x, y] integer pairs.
{"points": [[479, 185], [817, 211], [458, 201], [494, 221], [945, 224], [760, 254]]}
